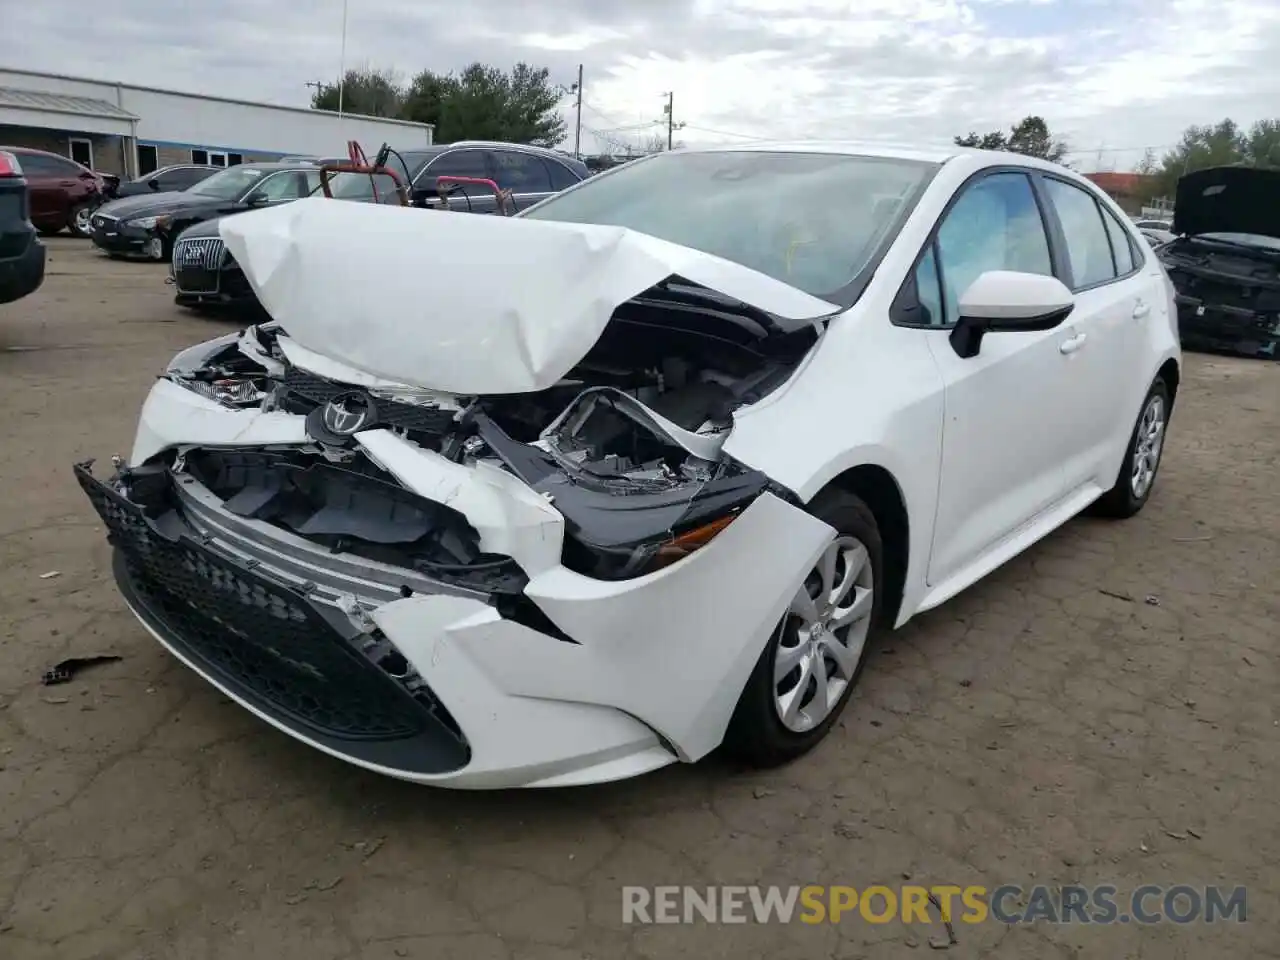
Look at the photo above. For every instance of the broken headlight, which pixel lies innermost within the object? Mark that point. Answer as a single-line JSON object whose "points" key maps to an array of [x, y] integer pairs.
{"points": [[233, 370]]}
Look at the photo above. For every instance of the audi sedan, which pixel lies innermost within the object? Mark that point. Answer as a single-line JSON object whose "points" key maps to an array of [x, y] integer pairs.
{"points": [[651, 467]]}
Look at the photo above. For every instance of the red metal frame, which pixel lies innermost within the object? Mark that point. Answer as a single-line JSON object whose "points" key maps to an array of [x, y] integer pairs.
{"points": [[502, 196], [359, 163]]}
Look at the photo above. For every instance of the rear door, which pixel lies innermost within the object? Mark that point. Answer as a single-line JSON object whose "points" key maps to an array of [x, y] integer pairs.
{"points": [[46, 196], [1113, 302], [525, 175], [468, 162]]}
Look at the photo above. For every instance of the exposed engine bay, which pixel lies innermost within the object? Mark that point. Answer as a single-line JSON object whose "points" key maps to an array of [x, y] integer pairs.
{"points": [[627, 445], [1228, 292]]}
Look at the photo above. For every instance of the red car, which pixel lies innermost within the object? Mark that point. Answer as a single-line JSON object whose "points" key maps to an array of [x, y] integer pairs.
{"points": [[63, 193]]}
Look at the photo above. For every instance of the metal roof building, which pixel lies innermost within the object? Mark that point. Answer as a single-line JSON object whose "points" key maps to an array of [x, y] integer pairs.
{"points": [[129, 130]]}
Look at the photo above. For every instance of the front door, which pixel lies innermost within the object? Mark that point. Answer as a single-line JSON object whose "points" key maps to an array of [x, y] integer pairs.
{"points": [[465, 198], [1002, 450]]}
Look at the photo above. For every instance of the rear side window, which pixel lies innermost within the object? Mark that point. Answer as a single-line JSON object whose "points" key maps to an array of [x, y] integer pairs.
{"points": [[1088, 245], [561, 176], [1120, 247]]}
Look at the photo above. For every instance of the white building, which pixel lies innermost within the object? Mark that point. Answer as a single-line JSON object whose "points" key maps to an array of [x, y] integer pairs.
{"points": [[129, 130]]}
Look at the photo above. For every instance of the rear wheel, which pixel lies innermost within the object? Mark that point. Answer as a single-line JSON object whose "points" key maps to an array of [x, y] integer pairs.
{"points": [[813, 659], [1137, 476]]}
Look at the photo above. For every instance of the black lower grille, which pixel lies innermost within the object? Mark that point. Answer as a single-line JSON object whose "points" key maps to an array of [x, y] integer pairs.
{"points": [[263, 639], [195, 280]]}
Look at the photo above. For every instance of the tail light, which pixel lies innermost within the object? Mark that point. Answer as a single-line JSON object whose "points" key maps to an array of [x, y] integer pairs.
{"points": [[9, 166]]}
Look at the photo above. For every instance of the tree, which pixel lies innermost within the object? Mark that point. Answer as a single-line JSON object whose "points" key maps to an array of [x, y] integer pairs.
{"points": [[1222, 144], [654, 143], [1147, 166], [373, 93], [486, 103], [1029, 136], [1262, 144]]}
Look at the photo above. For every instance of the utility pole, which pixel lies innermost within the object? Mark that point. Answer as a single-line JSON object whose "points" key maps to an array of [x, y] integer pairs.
{"points": [[577, 128], [342, 59], [672, 126], [316, 85]]}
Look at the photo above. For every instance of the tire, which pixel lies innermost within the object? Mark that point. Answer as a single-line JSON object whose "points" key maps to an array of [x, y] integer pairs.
{"points": [[757, 733], [1127, 496], [78, 220]]}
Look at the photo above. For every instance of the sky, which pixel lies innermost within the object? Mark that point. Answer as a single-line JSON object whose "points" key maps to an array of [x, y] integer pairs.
{"points": [[1110, 76]]}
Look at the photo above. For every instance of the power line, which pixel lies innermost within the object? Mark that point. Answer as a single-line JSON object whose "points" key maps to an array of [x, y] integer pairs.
{"points": [[725, 133]]}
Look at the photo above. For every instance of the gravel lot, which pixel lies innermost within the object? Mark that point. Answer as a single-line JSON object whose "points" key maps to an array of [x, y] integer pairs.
{"points": [[1053, 725]]}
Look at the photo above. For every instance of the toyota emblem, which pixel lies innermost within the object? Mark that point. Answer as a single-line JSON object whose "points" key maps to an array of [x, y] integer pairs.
{"points": [[346, 414]]}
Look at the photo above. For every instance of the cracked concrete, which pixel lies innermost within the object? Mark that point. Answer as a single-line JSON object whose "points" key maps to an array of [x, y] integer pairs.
{"points": [[1048, 726]]}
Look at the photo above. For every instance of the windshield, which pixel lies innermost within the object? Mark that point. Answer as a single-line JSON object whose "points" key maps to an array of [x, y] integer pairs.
{"points": [[229, 184], [815, 221]]}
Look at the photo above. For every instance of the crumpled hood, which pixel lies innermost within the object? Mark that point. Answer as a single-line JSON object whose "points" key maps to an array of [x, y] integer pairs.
{"points": [[1228, 200], [466, 304]]}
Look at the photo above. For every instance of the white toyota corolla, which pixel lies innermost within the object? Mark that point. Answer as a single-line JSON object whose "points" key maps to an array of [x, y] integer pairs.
{"points": [[569, 496]]}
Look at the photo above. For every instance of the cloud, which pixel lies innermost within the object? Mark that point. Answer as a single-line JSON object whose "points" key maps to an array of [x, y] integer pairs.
{"points": [[1114, 76]]}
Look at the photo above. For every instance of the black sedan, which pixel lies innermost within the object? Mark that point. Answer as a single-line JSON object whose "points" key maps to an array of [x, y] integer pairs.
{"points": [[21, 252], [181, 176], [147, 225]]}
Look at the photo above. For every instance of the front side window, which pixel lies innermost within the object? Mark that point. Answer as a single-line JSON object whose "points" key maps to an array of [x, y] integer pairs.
{"points": [[460, 163], [282, 186], [230, 184], [1088, 248], [816, 221], [995, 224]]}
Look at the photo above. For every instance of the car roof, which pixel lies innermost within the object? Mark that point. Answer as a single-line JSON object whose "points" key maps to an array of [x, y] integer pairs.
{"points": [[43, 153], [923, 152]]}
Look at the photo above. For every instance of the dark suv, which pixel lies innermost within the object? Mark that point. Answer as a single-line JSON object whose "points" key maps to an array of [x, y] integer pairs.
{"points": [[63, 193], [21, 252], [530, 173]]}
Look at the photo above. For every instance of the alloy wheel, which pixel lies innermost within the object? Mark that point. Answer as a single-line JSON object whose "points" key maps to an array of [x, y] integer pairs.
{"points": [[1148, 446], [823, 635], [80, 223]]}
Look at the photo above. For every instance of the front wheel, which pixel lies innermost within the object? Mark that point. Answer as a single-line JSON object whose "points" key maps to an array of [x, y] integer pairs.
{"points": [[813, 659], [1141, 462], [80, 220]]}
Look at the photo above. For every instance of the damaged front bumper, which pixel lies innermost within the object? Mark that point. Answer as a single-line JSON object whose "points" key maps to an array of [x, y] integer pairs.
{"points": [[548, 677]]}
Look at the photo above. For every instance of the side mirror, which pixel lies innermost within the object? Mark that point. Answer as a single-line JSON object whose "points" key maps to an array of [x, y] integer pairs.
{"points": [[257, 200], [153, 184], [1006, 301]]}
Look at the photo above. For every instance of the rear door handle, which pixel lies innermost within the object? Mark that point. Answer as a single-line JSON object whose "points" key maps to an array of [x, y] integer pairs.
{"points": [[1141, 310], [1074, 344]]}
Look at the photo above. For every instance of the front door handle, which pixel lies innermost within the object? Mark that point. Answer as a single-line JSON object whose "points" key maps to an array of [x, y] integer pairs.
{"points": [[1074, 344], [1141, 310]]}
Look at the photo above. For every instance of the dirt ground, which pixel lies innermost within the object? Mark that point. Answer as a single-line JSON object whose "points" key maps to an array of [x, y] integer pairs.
{"points": [[1101, 710]]}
